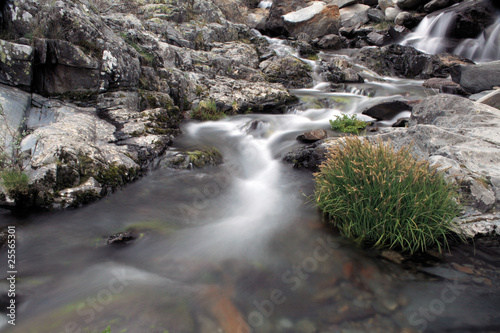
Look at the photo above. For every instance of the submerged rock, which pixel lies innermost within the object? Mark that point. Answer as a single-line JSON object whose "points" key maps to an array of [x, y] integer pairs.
{"points": [[120, 238], [312, 136]]}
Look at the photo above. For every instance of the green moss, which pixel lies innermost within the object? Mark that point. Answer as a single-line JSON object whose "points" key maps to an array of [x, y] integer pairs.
{"points": [[84, 198], [115, 175]]}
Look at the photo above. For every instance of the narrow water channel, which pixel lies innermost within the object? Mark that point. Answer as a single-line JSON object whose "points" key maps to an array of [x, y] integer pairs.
{"points": [[236, 247]]}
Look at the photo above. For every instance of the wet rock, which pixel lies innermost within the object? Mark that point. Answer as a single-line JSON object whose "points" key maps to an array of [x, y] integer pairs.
{"points": [[387, 110], [289, 71], [88, 192], [355, 15], [312, 136], [398, 32], [491, 99], [410, 4], [436, 5], [330, 42], [476, 78], [405, 61], [401, 122], [16, 65], [406, 19], [15, 104], [193, 159], [309, 157], [471, 18], [120, 238], [316, 20], [446, 273], [393, 256], [338, 70], [375, 15]]}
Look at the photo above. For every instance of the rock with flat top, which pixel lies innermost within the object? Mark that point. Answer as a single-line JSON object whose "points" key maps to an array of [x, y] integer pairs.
{"points": [[316, 20]]}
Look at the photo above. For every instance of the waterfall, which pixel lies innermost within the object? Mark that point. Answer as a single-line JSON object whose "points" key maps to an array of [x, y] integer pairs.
{"points": [[431, 36]]}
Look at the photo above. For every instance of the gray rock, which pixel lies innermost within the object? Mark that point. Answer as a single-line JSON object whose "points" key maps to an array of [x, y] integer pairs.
{"points": [[312, 136], [344, 3], [491, 99], [434, 5], [476, 78], [85, 193], [410, 4], [374, 38], [289, 71], [316, 20], [375, 15], [403, 18], [16, 65], [330, 42], [15, 104], [391, 13], [384, 4], [354, 15]]}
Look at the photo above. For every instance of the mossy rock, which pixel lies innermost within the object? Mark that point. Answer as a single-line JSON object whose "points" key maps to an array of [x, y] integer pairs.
{"points": [[195, 159]]}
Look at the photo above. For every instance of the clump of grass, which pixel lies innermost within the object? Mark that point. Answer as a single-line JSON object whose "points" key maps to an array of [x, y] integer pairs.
{"points": [[207, 110], [386, 198], [14, 181], [348, 124]]}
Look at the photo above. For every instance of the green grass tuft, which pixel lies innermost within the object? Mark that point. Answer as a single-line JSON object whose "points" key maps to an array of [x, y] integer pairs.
{"points": [[386, 198], [348, 124], [14, 181], [207, 110]]}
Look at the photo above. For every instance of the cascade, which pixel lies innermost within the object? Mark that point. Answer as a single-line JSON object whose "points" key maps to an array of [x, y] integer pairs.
{"points": [[431, 36]]}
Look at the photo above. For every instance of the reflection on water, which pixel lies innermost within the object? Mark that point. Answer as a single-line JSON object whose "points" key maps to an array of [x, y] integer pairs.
{"points": [[235, 248]]}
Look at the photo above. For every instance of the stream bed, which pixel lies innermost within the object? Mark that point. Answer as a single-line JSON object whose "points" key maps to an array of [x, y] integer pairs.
{"points": [[239, 247]]}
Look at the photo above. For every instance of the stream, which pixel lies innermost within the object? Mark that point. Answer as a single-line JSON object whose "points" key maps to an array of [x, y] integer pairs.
{"points": [[239, 247]]}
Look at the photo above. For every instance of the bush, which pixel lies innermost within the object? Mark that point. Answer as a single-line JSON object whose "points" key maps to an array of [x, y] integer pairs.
{"points": [[348, 124], [385, 198], [207, 110]]}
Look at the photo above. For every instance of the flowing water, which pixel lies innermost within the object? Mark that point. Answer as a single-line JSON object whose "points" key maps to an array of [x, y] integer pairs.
{"points": [[237, 247], [432, 36]]}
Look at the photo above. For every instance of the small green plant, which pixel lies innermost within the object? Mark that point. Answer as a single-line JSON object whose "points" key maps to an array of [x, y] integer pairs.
{"points": [[15, 181], [207, 110], [386, 198], [348, 124]]}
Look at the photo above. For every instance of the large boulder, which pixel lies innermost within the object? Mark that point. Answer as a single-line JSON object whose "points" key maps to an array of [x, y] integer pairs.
{"points": [[477, 78], [289, 71], [275, 24], [316, 20], [16, 65], [14, 104], [406, 61], [354, 16]]}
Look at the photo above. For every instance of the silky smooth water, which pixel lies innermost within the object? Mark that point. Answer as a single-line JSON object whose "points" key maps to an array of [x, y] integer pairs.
{"points": [[237, 247]]}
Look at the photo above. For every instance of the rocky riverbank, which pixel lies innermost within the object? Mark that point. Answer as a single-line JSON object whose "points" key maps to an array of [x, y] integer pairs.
{"points": [[93, 92]]}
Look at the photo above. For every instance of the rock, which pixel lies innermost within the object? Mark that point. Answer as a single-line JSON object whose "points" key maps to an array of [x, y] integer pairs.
{"points": [[475, 223], [354, 15], [398, 32], [330, 42], [471, 18], [344, 3], [312, 136], [404, 18], [15, 104], [375, 15], [375, 38], [193, 159], [391, 13], [384, 4], [476, 78], [434, 5], [120, 238], [401, 122], [289, 71], [404, 61], [316, 20], [83, 194], [387, 110], [446, 273], [410, 4], [16, 65], [258, 20], [338, 70], [309, 157], [492, 99], [62, 67], [275, 24]]}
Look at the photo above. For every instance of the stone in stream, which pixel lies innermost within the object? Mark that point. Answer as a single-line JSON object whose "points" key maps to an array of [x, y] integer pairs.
{"points": [[312, 136], [387, 110], [436, 5], [492, 99], [476, 78], [354, 16], [120, 238], [375, 15], [331, 42]]}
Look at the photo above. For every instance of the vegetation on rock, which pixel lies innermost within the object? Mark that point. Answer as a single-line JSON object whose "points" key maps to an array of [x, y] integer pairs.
{"points": [[348, 124], [386, 198]]}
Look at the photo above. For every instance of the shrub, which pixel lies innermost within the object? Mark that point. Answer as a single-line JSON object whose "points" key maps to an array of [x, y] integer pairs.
{"points": [[348, 124], [386, 198], [207, 110]]}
